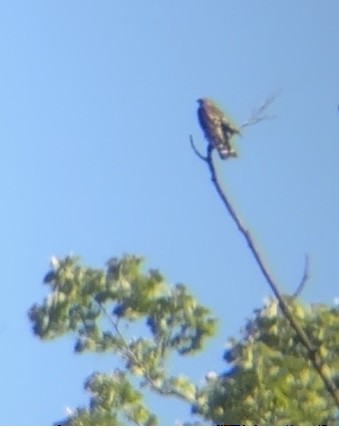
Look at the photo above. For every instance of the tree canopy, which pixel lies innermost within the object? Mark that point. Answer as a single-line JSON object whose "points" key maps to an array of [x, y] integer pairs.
{"points": [[268, 376]]}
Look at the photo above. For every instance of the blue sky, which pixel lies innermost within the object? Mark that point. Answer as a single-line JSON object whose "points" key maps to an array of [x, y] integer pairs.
{"points": [[97, 100]]}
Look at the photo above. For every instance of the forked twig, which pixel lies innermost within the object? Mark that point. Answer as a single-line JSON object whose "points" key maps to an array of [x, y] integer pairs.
{"points": [[312, 351], [259, 114]]}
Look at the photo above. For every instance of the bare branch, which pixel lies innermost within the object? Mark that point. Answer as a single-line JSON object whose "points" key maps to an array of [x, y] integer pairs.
{"points": [[195, 150], [317, 361], [259, 114], [304, 278]]}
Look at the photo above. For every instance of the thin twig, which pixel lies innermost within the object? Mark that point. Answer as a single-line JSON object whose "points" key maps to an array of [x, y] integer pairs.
{"points": [[259, 114], [316, 360], [304, 278]]}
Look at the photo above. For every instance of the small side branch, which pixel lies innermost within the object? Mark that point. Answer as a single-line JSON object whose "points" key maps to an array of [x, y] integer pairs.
{"points": [[195, 150], [305, 277]]}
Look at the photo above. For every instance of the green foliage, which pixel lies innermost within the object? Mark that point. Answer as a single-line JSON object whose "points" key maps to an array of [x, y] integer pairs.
{"points": [[100, 307], [269, 380], [114, 402]]}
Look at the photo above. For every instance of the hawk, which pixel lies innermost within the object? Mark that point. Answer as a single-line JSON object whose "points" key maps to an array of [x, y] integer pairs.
{"points": [[217, 128]]}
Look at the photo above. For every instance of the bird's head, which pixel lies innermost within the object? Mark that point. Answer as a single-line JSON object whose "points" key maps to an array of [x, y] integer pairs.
{"points": [[202, 101]]}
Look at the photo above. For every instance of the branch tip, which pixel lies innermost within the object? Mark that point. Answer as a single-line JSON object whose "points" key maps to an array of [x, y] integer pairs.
{"points": [[195, 150], [305, 277]]}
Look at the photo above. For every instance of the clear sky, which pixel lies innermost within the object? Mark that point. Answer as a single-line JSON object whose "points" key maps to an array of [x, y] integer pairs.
{"points": [[97, 99]]}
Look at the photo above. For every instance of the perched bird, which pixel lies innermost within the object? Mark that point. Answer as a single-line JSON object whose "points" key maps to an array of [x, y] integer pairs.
{"points": [[217, 128]]}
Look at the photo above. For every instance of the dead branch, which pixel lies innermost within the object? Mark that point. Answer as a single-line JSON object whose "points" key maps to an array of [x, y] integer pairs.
{"points": [[259, 114], [303, 338], [304, 278], [196, 151]]}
